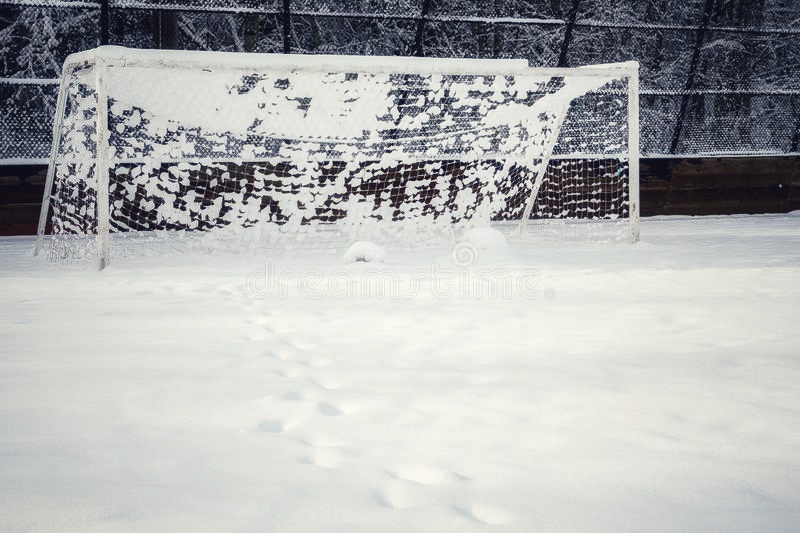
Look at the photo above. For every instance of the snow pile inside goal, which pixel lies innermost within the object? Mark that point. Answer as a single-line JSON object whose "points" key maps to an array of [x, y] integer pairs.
{"points": [[170, 150]]}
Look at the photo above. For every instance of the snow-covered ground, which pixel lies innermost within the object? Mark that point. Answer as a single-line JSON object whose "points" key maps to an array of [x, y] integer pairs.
{"points": [[542, 388]]}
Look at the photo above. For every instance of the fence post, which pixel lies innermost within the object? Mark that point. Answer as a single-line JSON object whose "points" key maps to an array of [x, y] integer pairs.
{"points": [[165, 29], [287, 27], [156, 16], [103, 22], [417, 49], [252, 26], [572, 16], [698, 45], [794, 144]]}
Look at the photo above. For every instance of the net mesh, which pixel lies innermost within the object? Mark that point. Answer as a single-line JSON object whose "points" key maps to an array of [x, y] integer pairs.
{"points": [[291, 158]]}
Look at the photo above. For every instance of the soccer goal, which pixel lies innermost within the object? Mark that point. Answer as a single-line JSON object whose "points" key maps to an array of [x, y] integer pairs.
{"points": [[174, 150]]}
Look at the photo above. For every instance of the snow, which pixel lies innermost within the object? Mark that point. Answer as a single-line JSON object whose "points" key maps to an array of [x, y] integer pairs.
{"points": [[23, 161], [649, 387], [487, 238], [364, 251], [215, 60], [30, 81]]}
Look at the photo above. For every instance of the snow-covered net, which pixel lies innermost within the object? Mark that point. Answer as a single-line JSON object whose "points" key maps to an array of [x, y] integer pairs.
{"points": [[273, 153]]}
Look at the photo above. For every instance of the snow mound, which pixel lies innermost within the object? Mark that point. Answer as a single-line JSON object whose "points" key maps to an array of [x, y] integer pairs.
{"points": [[479, 243], [486, 239], [364, 251]]}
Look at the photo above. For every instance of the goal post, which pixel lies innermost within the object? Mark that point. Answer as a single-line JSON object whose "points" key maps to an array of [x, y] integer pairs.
{"points": [[179, 150]]}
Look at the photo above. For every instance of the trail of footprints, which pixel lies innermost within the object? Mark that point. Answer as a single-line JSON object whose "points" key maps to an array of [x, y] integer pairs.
{"points": [[309, 382], [403, 492], [304, 384]]}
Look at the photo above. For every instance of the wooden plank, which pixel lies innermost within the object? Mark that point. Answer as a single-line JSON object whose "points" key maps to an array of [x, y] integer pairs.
{"points": [[19, 213], [22, 193], [732, 172]]}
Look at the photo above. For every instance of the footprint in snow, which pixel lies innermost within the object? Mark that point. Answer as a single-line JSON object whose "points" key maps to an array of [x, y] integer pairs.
{"points": [[318, 440], [294, 395], [486, 514], [302, 345], [272, 426], [288, 372], [325, 458], [423, 474], [395, 495], [319, 362], [327, 382], [328, 409]]}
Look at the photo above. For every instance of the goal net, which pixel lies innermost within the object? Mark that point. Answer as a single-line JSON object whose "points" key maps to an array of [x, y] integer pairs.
{"points": [[171, 150]]}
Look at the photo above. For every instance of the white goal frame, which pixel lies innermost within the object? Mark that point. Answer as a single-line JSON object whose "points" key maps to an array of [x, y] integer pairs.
{"points": [[109, 59]]}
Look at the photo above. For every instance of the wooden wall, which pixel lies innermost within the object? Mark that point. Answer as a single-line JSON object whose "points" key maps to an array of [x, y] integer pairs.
{"points": [[679, 186], [720, 186], [21, 191]]}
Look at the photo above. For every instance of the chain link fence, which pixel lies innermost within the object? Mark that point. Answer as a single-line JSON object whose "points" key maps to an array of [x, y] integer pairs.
{"points": [[717, 76]]}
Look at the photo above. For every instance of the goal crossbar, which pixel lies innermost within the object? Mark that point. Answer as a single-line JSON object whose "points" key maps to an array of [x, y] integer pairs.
{"points": [[189, 59]]}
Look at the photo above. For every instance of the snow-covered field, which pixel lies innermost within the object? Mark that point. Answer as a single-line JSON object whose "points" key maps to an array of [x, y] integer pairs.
{"points": [[544, 388]]}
